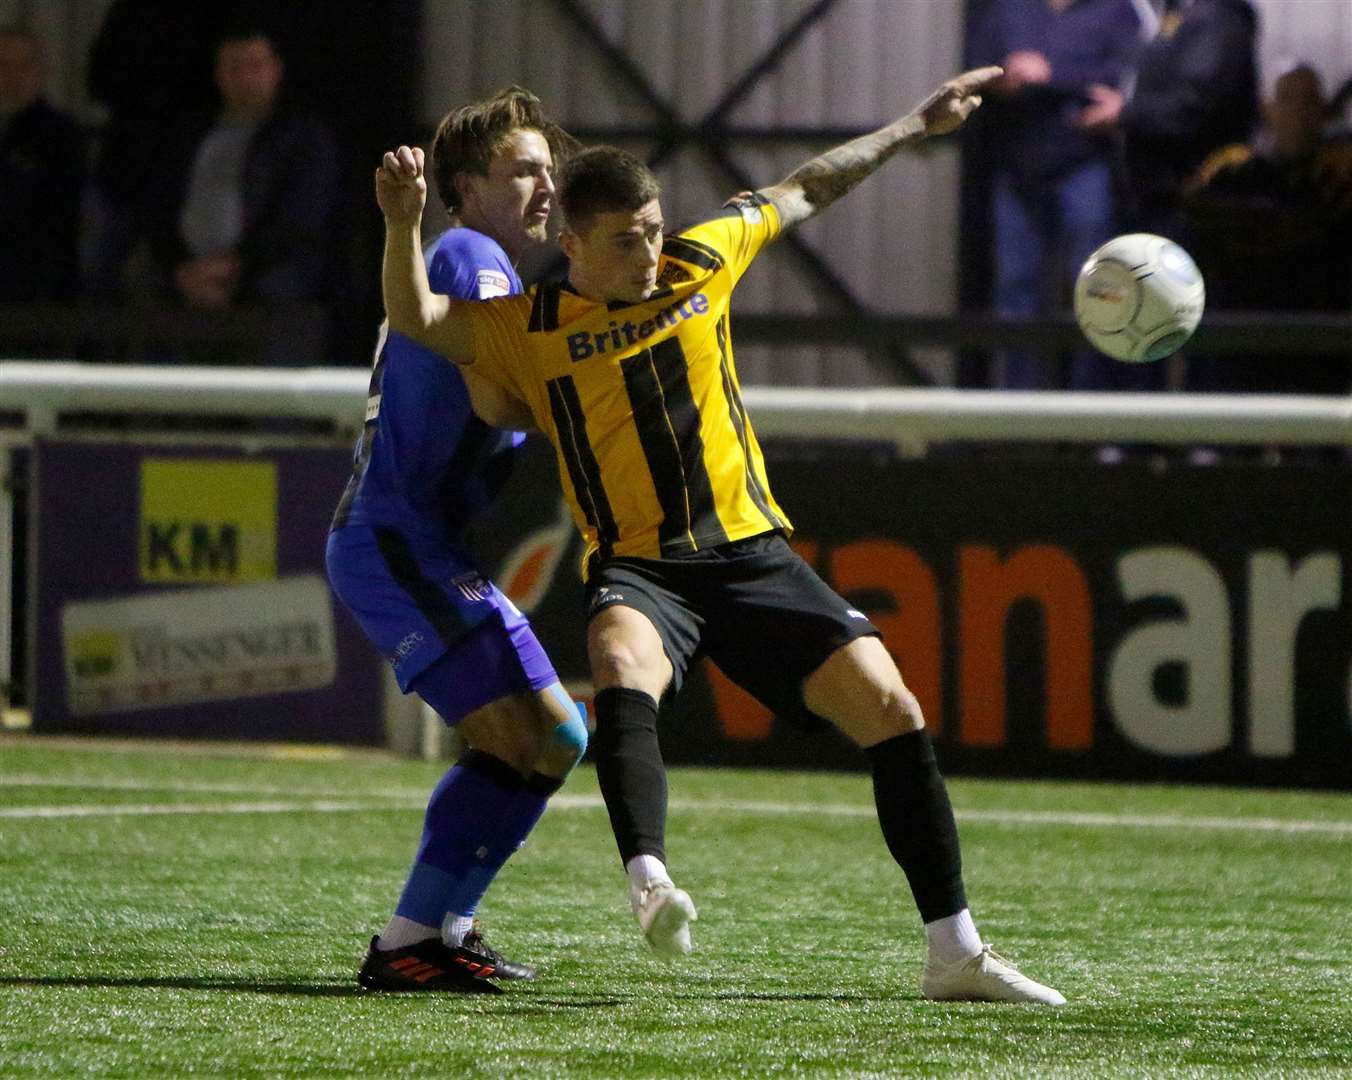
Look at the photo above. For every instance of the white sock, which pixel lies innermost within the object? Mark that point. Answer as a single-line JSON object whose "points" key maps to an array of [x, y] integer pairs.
{"points": [[454, 928], [646, 871], [953, 938], [401, 931]]}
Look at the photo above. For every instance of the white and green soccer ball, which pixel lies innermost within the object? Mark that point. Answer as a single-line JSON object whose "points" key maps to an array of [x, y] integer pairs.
{"points": [[1139, 297]]}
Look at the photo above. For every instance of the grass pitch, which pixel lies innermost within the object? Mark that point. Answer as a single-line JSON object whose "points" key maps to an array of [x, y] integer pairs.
{"points": [[196, 911]]}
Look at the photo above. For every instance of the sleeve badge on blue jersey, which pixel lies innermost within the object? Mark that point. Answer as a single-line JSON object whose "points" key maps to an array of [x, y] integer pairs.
{"points": [[472, 587], [493, 283]]}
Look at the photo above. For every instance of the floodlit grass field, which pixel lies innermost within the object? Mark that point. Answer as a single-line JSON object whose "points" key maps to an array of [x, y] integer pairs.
{"points": [[174, 911]]}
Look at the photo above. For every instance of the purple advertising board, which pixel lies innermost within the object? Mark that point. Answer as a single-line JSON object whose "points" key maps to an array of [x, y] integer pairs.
{"points": [[1054, 618], [179, 591], [1149, 620]]}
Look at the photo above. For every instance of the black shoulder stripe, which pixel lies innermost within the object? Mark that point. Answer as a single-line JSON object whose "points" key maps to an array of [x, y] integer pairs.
{"points": [[692, 251], [708, 249], [537, 318], [544, 310]]}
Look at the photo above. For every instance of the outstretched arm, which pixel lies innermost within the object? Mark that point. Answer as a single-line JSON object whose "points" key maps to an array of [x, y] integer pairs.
{"points": [[413, 308], [814, 186]]}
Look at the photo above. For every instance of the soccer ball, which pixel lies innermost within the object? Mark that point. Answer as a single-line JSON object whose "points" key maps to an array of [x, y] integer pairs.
{"points": [[1139, 297]]}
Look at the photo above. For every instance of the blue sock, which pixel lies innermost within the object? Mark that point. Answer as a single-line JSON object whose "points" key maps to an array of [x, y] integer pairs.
{"points": [[480, 813]]}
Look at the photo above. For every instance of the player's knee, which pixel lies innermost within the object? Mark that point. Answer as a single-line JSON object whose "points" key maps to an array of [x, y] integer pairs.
{"points": [[569, 740], [624, 649], [901, 709], [616, 662], [564, 736]]}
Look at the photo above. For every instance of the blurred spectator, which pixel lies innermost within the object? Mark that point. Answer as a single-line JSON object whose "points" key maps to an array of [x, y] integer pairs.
{"points": [[141, 83], [1272, 222], [1195, 90], [1337, 109], [1052, 114], [249, 201], [250, 213], [41, 177]]}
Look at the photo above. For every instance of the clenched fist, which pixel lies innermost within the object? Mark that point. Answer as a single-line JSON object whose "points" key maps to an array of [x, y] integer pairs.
{"points": [[401, 187]]}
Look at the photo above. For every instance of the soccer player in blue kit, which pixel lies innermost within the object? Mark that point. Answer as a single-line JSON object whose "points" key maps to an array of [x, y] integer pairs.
{"points": [[425, 465]]}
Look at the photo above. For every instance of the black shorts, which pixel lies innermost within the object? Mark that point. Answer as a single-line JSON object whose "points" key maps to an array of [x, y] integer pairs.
{"points": [[752, 606]]}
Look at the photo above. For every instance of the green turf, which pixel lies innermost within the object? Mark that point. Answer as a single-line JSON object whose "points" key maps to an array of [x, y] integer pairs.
{"points": [[224, 944]]}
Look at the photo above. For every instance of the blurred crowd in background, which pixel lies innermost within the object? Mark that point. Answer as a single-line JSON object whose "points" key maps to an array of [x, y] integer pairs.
{"points": [[1125, 116], [211, 188], [221, 212], [207, 187]]}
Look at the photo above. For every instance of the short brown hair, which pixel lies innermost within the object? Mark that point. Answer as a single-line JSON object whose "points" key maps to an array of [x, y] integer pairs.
{"points": [[468, 137], [602, 179]]}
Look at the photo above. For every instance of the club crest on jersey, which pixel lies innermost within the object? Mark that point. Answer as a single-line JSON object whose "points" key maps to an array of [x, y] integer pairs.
{"points": [[673, 274], [493, 283], [472, 587]]}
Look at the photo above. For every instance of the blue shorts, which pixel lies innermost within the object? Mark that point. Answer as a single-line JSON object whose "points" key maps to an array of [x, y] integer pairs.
{"points": [[419, 602]]}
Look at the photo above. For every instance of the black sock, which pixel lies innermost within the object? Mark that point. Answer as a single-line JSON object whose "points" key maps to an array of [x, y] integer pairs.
{"points": [[917, 821], [630, 771]]}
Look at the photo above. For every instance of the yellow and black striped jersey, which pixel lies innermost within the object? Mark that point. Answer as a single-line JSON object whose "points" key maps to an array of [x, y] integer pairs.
{"points": [[641, 401]]}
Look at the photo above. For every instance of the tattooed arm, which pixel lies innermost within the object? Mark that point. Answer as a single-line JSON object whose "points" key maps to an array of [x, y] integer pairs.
{"points": [[812, 187]]}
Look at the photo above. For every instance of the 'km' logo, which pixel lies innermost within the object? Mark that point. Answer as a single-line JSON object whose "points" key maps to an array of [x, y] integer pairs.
{"points": [[178, 548], [208, 520]]}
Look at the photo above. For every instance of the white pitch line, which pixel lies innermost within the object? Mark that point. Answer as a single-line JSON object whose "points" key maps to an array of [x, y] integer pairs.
{"points": [[117, 784], [1044, 817], [1156, 821], [334, 803], [311, 806]]}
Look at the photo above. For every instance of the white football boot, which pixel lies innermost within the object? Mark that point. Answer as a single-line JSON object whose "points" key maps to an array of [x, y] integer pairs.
{"points": [[983, 977], [664, 914]]}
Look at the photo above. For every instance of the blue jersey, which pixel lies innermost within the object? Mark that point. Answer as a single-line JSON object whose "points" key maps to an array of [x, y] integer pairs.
{"points": [[425, 464]]}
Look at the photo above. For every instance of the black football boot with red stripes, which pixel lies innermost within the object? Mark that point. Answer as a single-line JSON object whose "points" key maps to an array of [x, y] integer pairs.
{"points": [[475, 948], [426, 965]]}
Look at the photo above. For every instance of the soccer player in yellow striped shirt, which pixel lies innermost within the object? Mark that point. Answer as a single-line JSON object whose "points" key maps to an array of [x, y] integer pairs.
{"points": [[628, 369]]}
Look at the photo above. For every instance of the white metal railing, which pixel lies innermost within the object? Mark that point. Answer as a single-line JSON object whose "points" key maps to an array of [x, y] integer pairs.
{"points": [[42, 390]]}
